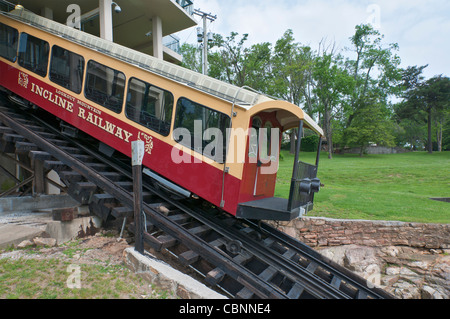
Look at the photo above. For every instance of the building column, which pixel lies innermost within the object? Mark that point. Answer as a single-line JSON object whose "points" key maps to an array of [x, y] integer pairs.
{"points": [[106, 22], [47, 12], [157, 38]]}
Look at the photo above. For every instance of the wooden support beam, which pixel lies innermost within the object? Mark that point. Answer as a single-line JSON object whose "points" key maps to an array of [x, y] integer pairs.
{"points": [[137, 151]]}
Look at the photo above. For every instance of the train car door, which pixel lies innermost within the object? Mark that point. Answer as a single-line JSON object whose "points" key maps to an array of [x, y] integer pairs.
{"points": [[263, 157]]}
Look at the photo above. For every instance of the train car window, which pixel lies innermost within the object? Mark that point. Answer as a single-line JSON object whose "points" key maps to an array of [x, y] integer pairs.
{"points": [[33, 54], [202, 123], [9, 40], [67, 69], [105, 86], [149, 106], [266, 141], [254, 138]]}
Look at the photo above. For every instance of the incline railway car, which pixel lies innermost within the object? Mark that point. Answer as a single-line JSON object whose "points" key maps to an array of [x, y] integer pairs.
{"points": [[202, 137]]}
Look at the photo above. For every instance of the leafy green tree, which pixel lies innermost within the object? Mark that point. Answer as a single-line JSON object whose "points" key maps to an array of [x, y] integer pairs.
{"points": [[231, 61], [376, 77], [428, 102], [339, 90], [371, 125], [410, 118], [332, 84], [446, 135], [292, 66], [375, 68], [191, 57], [227, 63], [410, 131], [435, 97]]}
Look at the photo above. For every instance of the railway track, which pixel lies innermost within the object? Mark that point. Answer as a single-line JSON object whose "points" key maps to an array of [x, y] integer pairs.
{"points": [[240, 258]]}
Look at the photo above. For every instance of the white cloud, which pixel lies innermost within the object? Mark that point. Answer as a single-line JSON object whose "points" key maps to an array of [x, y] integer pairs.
{"points": [[421, 28]]}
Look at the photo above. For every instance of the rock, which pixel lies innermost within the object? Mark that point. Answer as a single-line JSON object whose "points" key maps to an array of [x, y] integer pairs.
{"points": [[41, 242], [406, 290], [392, 271], [432, 293], [359, 258], [391, 251], [25, 244], [406, 272], [436, 251], [335, 254]]}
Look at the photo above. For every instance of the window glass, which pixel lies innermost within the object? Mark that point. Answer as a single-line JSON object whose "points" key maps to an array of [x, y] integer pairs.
{"points": [[207, 129], [33, 54], [254, 134], [149, 106], [67, 69], [9, 39], [105, 86], [266, 141]]}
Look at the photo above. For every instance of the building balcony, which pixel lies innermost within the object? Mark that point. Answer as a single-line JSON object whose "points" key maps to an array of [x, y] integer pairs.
{"points": [[132, 27], [187, 5]]}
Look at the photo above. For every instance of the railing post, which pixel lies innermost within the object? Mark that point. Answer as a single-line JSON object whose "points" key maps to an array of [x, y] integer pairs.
{"points": [[319, 151], [137, 151], [39, 177], [295, 168]]}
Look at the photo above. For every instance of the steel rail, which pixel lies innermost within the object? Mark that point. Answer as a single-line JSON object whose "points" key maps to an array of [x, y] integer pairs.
{"points": [[234, 270], [311, 283], [327, 264]]}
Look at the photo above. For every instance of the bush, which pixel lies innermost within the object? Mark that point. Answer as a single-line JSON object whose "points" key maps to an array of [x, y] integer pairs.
{"points": [[310, 143]]}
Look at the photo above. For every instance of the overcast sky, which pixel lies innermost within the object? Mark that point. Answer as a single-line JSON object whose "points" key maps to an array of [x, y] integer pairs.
{"points": [[420, 27]]}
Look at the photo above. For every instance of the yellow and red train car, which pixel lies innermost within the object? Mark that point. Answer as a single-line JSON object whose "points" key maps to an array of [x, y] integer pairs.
{"points": [[202, 136]]}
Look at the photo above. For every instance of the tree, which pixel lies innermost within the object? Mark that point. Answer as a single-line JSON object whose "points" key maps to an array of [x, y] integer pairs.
{"points": [[373, 57], [371, 124], [411, 78], [410, 132], [428, 102], [446, 135], [338, 90], [191, 57], [410, 117], [236, 64], [227, 62], [435, 97], [376, 76], [292, 65], [331, 85]]}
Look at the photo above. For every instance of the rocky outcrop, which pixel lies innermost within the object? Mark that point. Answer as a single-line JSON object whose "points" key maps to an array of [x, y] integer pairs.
{"points": [[407, 273], [409, 260]]}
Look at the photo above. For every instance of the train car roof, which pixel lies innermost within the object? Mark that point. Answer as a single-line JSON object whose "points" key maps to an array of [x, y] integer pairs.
{"points": [[242, 97], [288, 115]]}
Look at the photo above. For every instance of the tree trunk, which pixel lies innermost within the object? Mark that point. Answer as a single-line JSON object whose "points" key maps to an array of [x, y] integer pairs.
{"points": [[439, 135], [293, 135], [328, 132], [430, 140]]}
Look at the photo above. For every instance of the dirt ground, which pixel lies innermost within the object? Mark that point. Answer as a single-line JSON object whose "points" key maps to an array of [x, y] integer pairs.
{"points": [[36, 272], [101, 248]]}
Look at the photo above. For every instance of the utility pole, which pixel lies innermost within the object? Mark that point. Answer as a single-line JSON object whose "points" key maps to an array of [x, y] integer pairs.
{"points": [[203, 35]]}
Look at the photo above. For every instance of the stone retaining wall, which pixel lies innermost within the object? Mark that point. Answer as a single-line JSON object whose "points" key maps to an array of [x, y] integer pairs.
{"points": [[324, 232]]}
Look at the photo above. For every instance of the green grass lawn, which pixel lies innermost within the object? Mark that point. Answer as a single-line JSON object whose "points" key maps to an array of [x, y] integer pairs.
{"points": [[378, 187]]}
